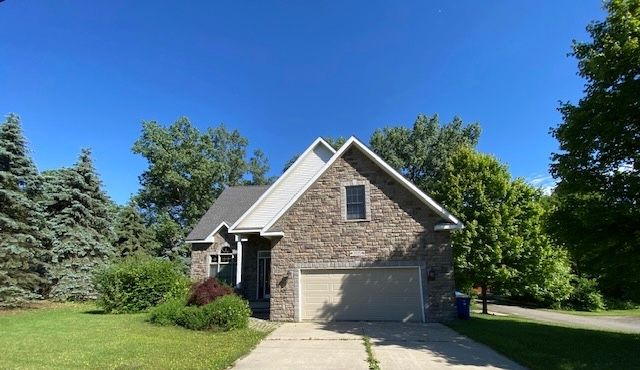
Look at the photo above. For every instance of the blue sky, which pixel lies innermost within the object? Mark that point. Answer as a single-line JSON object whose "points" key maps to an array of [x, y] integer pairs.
{"points": [[86, 73]]}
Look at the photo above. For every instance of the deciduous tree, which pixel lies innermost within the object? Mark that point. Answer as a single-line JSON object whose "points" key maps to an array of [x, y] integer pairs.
{"points": [[598, 165], [478, 191], [187, 171], [420, 153]]}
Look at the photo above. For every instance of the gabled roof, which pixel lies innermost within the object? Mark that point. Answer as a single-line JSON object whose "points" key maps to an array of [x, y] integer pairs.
{"points": [[230, 205], [252, 209], [286, 187], [451, 222]]}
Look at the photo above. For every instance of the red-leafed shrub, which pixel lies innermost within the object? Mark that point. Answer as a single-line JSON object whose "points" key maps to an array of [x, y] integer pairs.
{"points": [[208, 291]]}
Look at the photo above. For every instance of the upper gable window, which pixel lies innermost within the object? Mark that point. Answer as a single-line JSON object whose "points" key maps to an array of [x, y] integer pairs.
{"points": [[355, 202]]}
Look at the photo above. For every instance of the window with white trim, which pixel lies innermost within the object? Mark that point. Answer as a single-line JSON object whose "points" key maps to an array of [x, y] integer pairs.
{"points": [[355, 202], [222, 265]]}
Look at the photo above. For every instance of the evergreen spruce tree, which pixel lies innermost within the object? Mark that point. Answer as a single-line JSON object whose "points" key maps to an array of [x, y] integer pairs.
{"points": [[79, 219], [22, 255], [131, 235]]}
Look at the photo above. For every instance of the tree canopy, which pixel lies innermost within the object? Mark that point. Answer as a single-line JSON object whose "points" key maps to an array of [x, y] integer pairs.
{"points": [[598, 165], [420, 153], [187, 171], [478, 193], [503, 245]]}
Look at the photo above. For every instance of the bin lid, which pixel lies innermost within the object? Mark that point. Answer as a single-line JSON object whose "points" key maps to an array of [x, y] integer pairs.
{"points": [[461, 295]]}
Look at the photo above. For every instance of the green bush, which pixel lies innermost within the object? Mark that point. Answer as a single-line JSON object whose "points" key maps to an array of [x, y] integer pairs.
{"points": [[138, 283], [229, 312], [586, 296], [194, 318], [166, 313]]}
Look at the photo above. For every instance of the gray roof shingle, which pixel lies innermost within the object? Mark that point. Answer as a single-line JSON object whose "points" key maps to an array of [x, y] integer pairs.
{"points": [[230, 205]]}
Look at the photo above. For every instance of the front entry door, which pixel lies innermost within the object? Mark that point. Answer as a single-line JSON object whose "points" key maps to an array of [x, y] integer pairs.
{"points": [[264, 274]]}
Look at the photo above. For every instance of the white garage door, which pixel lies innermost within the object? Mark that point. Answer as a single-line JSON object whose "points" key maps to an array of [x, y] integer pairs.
{"points": [[376, 294]]}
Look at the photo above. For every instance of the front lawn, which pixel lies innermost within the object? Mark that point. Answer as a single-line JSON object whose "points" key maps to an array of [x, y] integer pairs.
{"points": [[77, 336], [545, 346]]}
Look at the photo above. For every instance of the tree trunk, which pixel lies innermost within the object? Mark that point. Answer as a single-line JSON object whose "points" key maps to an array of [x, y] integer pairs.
{"points": [[483, 293]]}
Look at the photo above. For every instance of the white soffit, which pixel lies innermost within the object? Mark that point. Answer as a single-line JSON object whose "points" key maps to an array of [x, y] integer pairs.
{"points": [[312, 160]]}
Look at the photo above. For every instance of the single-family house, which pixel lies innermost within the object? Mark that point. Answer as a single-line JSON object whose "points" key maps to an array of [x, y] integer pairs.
{"points": [[341, 235]]}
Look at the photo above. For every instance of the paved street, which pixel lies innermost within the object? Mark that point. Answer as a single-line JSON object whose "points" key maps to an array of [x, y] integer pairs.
{"points": [[626, 324]]}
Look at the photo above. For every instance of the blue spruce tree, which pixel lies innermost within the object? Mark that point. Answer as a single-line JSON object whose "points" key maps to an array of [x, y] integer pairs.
{"points": [[23, 258], [78, 215]]}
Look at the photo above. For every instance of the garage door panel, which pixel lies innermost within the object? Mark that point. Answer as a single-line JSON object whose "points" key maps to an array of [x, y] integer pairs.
{"points": [[388, 294]]}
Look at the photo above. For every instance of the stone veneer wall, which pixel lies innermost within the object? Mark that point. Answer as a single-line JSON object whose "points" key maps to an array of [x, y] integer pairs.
{"points": [[200, 259], [200, 254], [399, 232]]}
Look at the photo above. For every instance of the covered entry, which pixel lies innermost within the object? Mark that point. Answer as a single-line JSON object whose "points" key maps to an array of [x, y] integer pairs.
{"points": [[375, 294]]}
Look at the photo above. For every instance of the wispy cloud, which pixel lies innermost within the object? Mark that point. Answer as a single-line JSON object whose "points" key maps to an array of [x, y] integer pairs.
{"points": [[544, 182]]}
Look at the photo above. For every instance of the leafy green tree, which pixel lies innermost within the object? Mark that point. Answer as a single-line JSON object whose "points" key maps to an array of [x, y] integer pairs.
{"points": [[187, 171], [478, 192], [78, 215], [420, 153], [541, 271], [131, 234], [23, 257], [598, 165], [504, 245], [258, 167]]}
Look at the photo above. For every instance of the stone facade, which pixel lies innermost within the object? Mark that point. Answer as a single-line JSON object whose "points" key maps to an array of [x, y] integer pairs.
{"points": [[200, 259], [399, 230], [200, 253]]}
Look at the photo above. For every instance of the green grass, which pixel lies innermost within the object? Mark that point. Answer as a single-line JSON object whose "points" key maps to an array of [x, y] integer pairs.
{"points": [[374, 364], [74, 336], [544, 346], [632, 312]]}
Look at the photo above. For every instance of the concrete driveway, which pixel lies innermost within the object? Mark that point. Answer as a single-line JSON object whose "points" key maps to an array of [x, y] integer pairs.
{"points": [[396, 346]]}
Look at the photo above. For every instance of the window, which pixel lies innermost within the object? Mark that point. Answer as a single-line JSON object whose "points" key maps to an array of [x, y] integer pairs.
{"points": [[223, 265], [355, 201]]}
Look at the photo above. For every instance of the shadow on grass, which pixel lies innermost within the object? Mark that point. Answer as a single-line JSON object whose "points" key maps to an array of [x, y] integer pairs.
{"points": [[96, 311], [545, 346]]}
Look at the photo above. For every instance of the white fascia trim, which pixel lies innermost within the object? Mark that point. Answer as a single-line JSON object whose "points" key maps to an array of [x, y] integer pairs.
{"points": [[244, 231], [440, 227], [209, 238], [272, 233], [385, 166], [286, 173]]}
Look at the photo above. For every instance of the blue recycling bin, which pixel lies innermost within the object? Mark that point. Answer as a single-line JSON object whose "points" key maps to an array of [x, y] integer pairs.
{"points": [[463, 304]]}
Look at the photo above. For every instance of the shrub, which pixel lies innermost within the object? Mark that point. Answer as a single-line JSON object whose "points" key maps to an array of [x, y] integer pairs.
{"points": [[229, 312], [138, 283], [166, 313], [194, 318], [585, 296], [208, 291]]}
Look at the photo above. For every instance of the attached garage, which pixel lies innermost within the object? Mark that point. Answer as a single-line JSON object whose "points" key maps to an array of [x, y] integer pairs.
{"points": [[375, 294]]}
